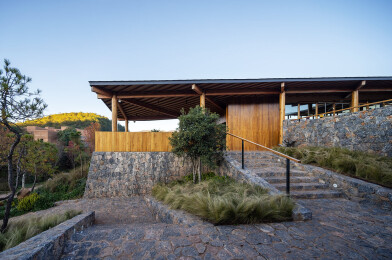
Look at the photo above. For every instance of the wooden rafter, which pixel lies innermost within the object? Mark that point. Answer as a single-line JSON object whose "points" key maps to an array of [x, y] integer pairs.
{"points": [[121, 110], [197, 89], [361, 85], [100, 91], [151, 107], [200, 92], [239, 92]]}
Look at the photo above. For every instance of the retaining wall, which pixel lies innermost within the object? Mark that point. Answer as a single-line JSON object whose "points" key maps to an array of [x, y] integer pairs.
{"points": [[368, 131], [50, 243], [123, 174]]}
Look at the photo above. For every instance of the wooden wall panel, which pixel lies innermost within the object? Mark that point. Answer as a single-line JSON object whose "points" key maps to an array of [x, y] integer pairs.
{"points": [[255, 119], [132, 141]]}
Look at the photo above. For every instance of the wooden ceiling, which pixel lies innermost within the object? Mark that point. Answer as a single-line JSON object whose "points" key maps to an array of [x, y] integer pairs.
{"points": [[154, 100]]}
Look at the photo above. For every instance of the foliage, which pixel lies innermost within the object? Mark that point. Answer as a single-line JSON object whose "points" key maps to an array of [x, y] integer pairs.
{"points": [[40, 158], [17, 104], [67, 135], [155, 130], [90, 135], [200, 138], [63, 186], [27, 203], [76, 120], [21, 230], [221, 200], [370, 167]]}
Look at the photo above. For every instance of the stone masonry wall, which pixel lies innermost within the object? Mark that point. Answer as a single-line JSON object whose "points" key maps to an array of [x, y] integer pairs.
{"points": [[368, 131], [122, 174]]}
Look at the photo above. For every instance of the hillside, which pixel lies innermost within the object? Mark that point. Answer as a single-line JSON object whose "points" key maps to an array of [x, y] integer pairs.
{"points": [[77, 120]]}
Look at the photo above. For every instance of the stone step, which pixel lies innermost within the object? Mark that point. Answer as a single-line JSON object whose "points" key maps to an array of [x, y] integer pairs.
{"points": [[315, 194], [277, 171], [293, 179], [270, 164], [301, 186]]}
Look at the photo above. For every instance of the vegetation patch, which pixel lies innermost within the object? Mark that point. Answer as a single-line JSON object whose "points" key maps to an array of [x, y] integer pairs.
{"points": [[369, 167], [63, 186], [222, 200], [19, 231]]}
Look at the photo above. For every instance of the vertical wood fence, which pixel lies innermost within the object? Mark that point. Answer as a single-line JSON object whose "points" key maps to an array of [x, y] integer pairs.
{"points": [[132, 141]]}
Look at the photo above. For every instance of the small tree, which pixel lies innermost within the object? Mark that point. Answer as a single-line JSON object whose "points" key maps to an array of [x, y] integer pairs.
{"points": [[40, 159], [90, 135], [17, 103], [199, 138]]}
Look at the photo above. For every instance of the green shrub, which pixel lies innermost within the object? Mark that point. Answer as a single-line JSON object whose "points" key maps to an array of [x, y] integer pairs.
{"points": [[371, 167], [221, 200], [28, 202], [19, 231]]}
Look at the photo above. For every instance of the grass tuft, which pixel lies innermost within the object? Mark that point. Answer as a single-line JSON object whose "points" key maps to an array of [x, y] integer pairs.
{"points": [[19, 231], [221, 200], [370, 167]]}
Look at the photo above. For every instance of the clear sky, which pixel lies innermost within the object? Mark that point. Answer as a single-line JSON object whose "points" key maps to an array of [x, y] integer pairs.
{"points": [[64, 44]]}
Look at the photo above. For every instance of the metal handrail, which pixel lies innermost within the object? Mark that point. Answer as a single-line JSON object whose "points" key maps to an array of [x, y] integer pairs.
{"points": [[339, 110], [288, 159], [269, 149]]}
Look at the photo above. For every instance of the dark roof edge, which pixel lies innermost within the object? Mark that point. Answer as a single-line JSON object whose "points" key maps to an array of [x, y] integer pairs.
{"points": [[213, 81]]}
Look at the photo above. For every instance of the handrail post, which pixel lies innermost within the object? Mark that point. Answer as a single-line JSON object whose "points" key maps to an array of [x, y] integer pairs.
{"points": [[287, 176], [243, 164]]}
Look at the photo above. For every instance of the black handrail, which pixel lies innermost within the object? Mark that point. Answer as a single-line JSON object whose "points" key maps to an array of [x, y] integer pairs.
{"points": [[288, 159]]}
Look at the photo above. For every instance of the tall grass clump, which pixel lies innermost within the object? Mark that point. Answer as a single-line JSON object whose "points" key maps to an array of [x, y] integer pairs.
{"points": [[21, 230], [370, 167], [221, 200]]}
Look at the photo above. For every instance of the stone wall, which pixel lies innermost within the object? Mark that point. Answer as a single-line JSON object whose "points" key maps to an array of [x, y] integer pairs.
{"points": [[368, 131], [122, 174], [50, 243]]}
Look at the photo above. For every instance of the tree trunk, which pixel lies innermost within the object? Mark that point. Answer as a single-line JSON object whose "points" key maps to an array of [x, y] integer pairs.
{"points": [[199, 170], [194, 171], [10, 183], [35, 180], [23, 179]]}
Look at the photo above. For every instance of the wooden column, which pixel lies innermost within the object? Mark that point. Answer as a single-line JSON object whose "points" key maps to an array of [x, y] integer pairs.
{"points": [[309, 109], [316, 112], [282, 111], [334, 108], [126, 125], [114, 113], [367, 106], [203, 100], [354, 101], [299, 111]]}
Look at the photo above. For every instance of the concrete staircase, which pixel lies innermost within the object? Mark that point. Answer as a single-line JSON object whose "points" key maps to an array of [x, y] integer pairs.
{"points": [[272, 168]]}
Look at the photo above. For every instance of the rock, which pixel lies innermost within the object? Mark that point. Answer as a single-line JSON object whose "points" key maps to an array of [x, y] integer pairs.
{"points": [[24, 192]]}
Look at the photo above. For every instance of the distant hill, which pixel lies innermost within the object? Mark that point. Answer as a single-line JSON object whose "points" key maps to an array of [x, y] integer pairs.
{"points": [[77, 120]]}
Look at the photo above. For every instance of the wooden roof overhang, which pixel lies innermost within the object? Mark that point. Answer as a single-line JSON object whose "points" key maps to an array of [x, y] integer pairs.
{"points": [[163, 99]]}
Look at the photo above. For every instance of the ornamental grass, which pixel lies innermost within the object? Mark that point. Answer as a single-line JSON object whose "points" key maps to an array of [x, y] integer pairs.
{"points": [[366, 166], [221, 200], [21, 230]]}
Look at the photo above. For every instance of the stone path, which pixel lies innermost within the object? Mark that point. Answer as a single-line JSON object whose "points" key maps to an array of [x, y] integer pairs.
{"points": [[125, 229]]}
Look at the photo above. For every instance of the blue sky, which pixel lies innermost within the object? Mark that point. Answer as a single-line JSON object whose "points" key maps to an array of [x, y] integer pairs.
{"points": [[64, 44]]}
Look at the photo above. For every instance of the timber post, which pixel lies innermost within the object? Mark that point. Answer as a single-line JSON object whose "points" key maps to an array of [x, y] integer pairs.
{"points": [[282, 111], [114, 113]]}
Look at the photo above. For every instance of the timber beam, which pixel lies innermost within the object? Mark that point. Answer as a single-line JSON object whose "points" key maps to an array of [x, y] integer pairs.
{"points": [[152, 107], [361, 85], [103, 92], [200, 92], [121, 110]]}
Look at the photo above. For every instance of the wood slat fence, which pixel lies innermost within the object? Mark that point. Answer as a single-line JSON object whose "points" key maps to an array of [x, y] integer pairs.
{"points": [[132, 141]]}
